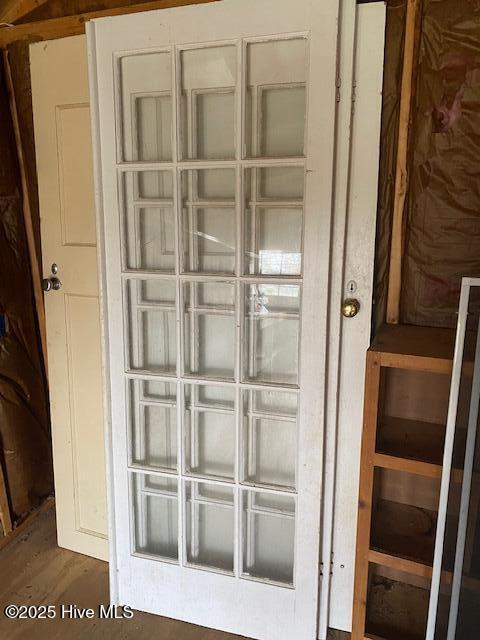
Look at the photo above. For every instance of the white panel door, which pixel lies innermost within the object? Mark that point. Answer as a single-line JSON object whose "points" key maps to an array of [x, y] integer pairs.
{"points": [[67, 207], [215, 141]]}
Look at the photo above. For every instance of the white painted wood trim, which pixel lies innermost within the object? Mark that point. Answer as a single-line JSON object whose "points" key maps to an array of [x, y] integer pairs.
{"points": [[353, 251], [102, 283]]}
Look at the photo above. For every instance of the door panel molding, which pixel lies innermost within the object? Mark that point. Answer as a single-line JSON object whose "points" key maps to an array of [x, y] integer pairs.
{"points": [[65, 179]]}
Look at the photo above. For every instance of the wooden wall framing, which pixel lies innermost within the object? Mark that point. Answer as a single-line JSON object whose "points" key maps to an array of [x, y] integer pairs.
{"points": [[5, 517], [401, 171]]}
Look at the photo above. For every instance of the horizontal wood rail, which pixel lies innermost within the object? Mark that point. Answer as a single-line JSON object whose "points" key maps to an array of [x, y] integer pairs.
{"points": [[412, 567], [416, 467]]}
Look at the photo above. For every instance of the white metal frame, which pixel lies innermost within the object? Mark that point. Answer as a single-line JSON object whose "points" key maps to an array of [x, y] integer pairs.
{"points": [[467, 285]]}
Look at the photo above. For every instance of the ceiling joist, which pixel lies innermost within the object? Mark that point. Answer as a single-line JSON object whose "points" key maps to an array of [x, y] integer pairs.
{"points": [[13, 10], [75, 25]]}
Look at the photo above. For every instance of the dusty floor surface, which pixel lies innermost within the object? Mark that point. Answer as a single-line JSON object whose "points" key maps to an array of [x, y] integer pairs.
{"points": [[34, 571]]}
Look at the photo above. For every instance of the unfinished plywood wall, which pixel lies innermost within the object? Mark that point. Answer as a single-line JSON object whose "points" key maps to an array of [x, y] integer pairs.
{"points": [[25, 443]]}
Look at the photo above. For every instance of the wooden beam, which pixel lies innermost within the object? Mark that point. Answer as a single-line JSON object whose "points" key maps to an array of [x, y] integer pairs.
{"points": [[13, 10], [75, 25], [5, 517], [27, 215], [401, 172]]}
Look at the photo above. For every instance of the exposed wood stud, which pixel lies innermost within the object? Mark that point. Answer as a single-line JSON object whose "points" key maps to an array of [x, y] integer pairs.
{"points": [[5, 517], [27, 214], [401, 174], [75, 25]]}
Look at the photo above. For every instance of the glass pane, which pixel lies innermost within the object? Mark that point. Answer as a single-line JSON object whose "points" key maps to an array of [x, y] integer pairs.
{"points": [[155, 508], [209, 332], [210, 431], [146, 81], [153, 424], [149, 220], [274, 220], [210, 525], [152, 326], [272, 329], [209, 78], [270, 437], [208, 206], [276, 98], [268, 529]]}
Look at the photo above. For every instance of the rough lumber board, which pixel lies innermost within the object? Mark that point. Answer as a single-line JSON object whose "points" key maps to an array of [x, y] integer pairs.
{"points": [[13, 10], [75, 25], [27, 214], [401, 177], [370, 415], [5, 517]]}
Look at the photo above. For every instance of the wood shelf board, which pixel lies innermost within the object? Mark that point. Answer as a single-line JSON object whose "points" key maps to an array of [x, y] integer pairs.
{"points": [[411, 340], [404, 535], [400, 564], [415, 467], [413, 440], [414, 446], [421, 348]]}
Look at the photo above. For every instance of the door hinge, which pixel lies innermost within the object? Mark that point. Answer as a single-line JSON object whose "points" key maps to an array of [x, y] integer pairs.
{"points": [[354, 95], [324, 567], [338, 84]]}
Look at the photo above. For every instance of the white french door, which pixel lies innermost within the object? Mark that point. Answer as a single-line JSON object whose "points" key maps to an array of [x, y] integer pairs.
{"points": [[216, 135]]}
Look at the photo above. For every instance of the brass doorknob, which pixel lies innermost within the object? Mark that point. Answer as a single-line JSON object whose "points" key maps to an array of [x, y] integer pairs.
{"points": [[350, 308]]}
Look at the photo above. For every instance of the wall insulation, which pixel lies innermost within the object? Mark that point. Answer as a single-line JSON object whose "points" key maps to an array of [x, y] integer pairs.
{"points": [[443, 207], [442, 216], [25, 442]]}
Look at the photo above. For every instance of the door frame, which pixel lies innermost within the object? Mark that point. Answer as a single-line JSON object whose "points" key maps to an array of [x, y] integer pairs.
{"points": [[337, 343], [360, 73]]}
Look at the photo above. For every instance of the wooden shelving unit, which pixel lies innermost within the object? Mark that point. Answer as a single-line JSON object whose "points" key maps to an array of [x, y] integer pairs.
{"points": [[397, 536]]}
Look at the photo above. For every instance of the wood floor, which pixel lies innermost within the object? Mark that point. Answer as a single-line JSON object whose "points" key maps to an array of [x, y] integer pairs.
{"points": [[34, 571]]}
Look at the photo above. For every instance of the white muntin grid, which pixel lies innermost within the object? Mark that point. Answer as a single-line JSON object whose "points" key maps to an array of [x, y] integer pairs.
{"points": [[188, 280]]}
